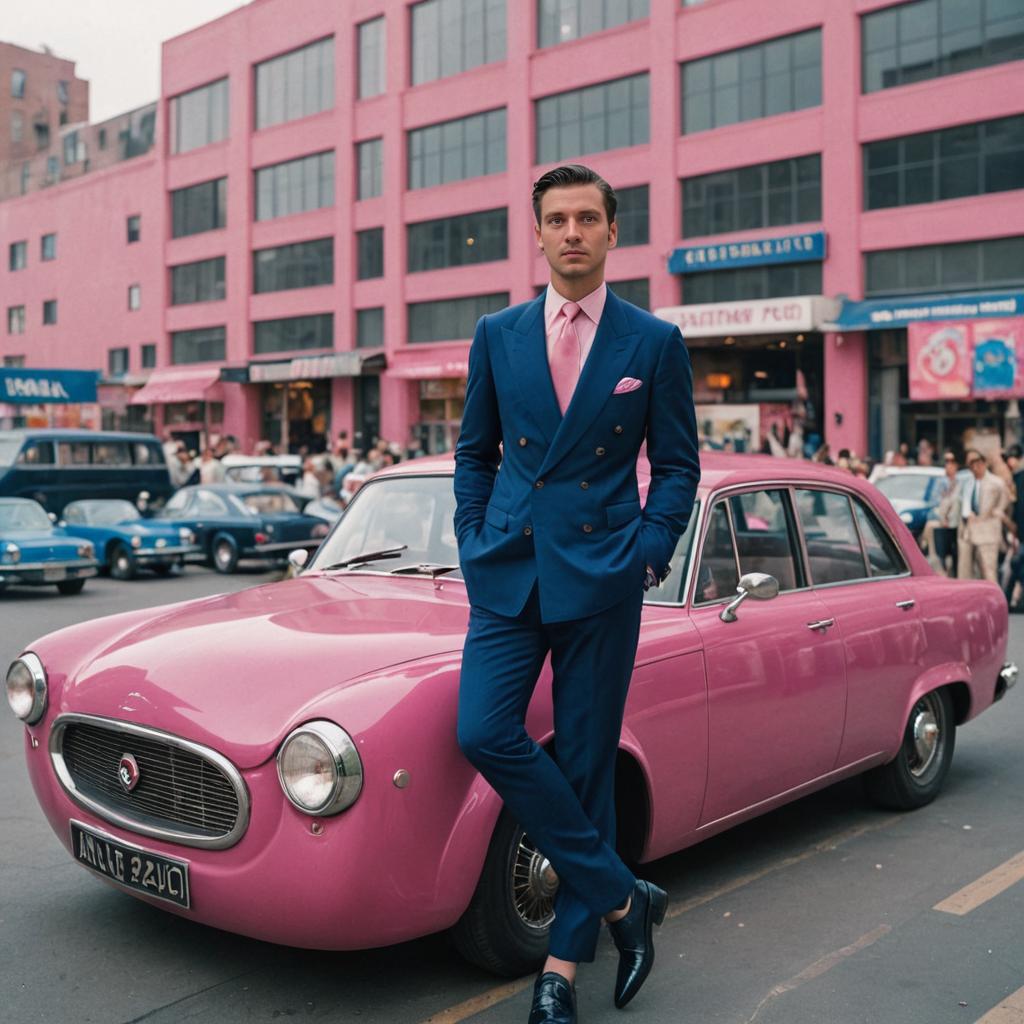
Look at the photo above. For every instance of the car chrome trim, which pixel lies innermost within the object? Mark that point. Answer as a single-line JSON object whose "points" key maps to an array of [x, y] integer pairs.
{"points": [[183, 837], [40, 686], [148, 554], [77, 563], [1007, 676], [348, 783]]}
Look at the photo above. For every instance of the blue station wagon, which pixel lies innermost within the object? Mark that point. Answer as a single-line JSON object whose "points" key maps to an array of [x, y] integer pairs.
{"points": [[35, 553]]}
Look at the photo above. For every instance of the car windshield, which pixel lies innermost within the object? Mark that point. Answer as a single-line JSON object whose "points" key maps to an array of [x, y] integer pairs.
{"points": [[263, 503], [417, 511], [101, 513], [23, 515], [906, 486], [9, 448]]}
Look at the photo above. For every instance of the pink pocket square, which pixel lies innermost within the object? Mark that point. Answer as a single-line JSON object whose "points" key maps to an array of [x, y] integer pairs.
{"points": [[627, 384]]}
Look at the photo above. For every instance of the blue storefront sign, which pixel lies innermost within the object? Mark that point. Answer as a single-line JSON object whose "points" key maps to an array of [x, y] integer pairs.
{"points": [[878, 314], [35, 387], [689, 259]]}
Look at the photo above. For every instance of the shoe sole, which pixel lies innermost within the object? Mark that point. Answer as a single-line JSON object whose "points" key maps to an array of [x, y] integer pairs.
{"points": [[657, 905]]}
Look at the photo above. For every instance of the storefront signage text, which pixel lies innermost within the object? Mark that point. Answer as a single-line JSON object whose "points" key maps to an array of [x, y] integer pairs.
{"points": [[882, 313], [341, 364], [689, 259], [761, 316], [43, 386]]}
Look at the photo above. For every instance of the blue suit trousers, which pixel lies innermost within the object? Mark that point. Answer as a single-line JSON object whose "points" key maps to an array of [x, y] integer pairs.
{"points": [[566, 804]]}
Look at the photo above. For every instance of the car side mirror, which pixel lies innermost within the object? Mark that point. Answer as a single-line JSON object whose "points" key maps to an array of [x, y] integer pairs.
{"points": [[52, 516], [758, 585], [142, 501], [298, 558]]}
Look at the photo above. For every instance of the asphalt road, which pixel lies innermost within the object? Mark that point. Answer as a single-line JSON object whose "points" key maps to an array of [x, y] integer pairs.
{"points": [[826, 911]]}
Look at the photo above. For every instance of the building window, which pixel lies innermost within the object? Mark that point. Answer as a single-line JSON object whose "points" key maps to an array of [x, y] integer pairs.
{"points": [[202, 281], [466, 147], [15, 319], [295, 332], [17, 256], [17, 84], [49, 311], [296, 84], [17, 126], [52, 169], [26, 176], [451, 319], [968, 160], [198, 208], [48, 248], [757, 81], [631, 214], [458, 241], [637, 290], [369, 253], [148, 357], [558, 21], [134, 296], [206, 345], [117, 362], [962, 266], [369, 168], [133, 225], [759, 196], [451, 36], [62, 93], [42, 130], [592, 120], [928, 39], [74, 149], [295, 186], [370, 327], [199, 117], [101, 138], [14, 362], [300, 265], [742, 283], [372, 58]]}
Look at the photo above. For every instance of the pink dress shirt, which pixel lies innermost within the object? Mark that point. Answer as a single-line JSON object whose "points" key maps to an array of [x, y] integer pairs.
{"points": [[591, 308]]}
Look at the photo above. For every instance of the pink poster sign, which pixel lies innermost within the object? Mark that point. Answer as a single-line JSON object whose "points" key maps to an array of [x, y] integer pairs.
{"points": [[939, 360]]}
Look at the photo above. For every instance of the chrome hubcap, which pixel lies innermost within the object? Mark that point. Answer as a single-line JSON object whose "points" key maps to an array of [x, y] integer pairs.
{"points": [[223, 554], [926, 736], [534, 884]]}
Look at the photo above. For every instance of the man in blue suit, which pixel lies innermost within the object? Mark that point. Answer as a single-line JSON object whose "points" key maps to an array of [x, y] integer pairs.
{"points": [[556, 553]]}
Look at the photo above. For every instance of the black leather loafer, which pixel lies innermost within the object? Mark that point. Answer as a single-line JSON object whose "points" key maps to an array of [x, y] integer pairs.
{"points": [[633, 935], [554, 1000]]}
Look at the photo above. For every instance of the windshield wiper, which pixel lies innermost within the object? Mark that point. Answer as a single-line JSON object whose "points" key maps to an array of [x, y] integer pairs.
{"points": [[433, 568], [370, 556]]}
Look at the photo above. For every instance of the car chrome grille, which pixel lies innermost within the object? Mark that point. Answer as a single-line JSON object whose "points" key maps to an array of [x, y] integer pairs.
{"points": [[184, 793]]}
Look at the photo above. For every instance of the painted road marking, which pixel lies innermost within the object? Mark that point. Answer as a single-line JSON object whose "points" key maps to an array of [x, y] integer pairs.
{"points": [[985, 888], [1009, 1011], [479, 1003]]}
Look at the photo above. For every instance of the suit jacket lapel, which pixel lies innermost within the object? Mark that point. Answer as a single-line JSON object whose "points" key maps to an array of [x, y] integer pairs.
{"points": [[526, 346]]}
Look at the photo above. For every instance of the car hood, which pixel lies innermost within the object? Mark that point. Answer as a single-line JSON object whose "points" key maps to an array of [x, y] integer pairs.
{"points": [[237, 671], [45, 543]]}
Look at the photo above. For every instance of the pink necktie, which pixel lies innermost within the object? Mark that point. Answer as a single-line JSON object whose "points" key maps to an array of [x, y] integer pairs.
{"points": [[565, 356]]}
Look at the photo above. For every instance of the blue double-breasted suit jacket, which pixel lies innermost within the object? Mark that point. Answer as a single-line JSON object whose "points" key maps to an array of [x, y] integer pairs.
{"points": [[558, 503]]}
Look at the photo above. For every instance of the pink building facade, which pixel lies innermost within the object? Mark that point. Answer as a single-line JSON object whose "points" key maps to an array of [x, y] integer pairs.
{"points": [[774, 157]]}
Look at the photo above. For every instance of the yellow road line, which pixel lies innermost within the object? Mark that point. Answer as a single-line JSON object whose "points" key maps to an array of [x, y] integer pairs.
{"points": [[985, 888], [479, 1003], [1009, 1011]]}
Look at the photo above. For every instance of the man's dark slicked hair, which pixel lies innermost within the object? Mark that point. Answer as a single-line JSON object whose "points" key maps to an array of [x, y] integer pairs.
{"points": [[574, 174]]}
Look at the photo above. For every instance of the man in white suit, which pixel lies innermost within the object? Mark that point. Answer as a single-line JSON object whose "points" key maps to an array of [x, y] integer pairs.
{"points": [[983, 500]]}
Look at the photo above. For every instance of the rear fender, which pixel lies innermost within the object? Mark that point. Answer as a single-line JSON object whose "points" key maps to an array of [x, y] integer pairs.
{"points": [[953, 675]]}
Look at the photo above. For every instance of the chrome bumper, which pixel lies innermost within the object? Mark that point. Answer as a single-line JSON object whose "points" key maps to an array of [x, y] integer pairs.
{"points": [[143, 555], [1006, 680], [41, 573]]}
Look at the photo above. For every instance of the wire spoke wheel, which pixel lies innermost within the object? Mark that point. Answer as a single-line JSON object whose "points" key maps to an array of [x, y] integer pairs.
{"points": [[534, 884]]}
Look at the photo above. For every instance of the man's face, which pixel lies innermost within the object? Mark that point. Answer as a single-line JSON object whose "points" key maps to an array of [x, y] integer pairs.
{"points": [[574, 231], [976, 464]]}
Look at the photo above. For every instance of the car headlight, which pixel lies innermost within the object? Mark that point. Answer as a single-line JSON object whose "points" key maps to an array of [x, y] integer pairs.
{"points": [[906, 517], [319, 768], [161, 542], [26, 688], [136, 541], [186, 536], [11, 554], [86, 550]]}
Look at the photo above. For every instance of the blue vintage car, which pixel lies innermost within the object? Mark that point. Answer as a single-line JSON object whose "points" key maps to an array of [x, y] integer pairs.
{"points": [[125, 541], [233, 522], [35, 553]]}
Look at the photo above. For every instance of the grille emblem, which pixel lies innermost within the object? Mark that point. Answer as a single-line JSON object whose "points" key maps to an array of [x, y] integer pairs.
{"points": [[128, 772]]}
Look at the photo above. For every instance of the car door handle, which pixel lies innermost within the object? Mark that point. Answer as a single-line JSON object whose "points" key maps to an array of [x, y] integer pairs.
{"points": [[821, 624], [905, 604]]}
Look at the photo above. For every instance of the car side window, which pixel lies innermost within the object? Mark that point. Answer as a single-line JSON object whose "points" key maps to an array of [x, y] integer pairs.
{"points": [[206, 503], [74, 513], [36, 453], [716, 575], [883, 557], [177, 502], [147, 454], [764, 538], [73, 453], [833, 546], [111, 453]]}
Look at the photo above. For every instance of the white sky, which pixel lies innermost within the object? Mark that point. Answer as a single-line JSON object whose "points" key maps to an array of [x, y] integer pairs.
{"points": [[114, 43]]}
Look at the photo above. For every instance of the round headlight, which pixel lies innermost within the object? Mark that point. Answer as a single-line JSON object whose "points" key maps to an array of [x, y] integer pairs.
{"points": [[186, 536], [906, 517], [11, 554], [86, 550], [319, 768], [26, 688], [136, 541], [161, 542]]}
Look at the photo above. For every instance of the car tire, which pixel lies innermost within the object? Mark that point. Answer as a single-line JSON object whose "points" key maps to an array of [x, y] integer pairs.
{"points": [[68, 587], [122, 563], [916, 775], [505, 927], [224, 553]]}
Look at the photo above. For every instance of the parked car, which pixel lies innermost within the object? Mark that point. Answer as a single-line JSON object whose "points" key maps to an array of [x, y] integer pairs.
{"points": [[55, 467], [262, 469], [237, 522], [287, 766], [35, 553], [914, 491], [126, 542]]}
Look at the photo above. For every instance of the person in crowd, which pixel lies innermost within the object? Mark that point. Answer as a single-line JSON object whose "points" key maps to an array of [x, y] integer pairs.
{"points": [[983, 498], [270, 475], [925, 452], [938, 539], [180, 466], [211, 471], [309, 485], [170, 445]]}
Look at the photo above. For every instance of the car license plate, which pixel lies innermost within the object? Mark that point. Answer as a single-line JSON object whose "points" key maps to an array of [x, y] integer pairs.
{"points": [[51, 574], [161, 877]]}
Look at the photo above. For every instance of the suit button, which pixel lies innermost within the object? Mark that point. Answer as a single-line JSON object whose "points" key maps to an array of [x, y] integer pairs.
{"points": [[599, 451], [539, 484], [584, 484], [527, 531], [618, 429], [587, 528], [522, 442]]}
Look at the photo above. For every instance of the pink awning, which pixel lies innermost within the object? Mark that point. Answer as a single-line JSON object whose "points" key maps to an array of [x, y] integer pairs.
{"points": [[428, 365], [178, 384]]}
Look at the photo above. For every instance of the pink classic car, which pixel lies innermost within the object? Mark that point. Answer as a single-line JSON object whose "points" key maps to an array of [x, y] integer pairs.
{"points": [[281, 762]]}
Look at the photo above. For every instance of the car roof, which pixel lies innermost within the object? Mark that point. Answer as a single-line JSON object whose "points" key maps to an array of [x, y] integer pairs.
{"points": [[71, 434], [235, 459]]}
